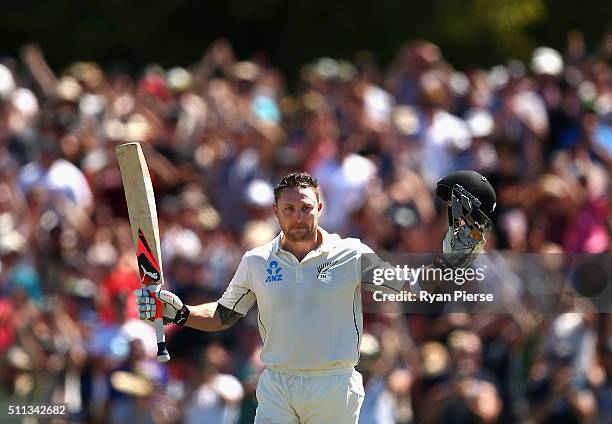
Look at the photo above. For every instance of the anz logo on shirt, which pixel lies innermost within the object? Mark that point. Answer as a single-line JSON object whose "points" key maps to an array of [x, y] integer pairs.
{"points": [[274, 272]]}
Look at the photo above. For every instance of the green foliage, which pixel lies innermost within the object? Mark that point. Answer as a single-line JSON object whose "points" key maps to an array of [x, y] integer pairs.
{"points": [[177, 32]]}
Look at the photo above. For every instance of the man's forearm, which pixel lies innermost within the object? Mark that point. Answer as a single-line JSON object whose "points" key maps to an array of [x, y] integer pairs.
{"points": [[211, 317]]}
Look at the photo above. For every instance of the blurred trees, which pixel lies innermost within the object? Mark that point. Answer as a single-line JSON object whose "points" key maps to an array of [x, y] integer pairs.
{"points": [[176, 32]]}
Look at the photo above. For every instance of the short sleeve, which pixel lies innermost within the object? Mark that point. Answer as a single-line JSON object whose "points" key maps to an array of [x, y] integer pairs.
{"points": [[369, 262], [239, 295]]}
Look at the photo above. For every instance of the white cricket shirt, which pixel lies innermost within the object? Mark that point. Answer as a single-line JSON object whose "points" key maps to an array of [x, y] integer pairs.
{"points": [[310, 314]]}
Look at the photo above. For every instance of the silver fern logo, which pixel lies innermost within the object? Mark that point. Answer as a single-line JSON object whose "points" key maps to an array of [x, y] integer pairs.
{"points": [[323, 271]]}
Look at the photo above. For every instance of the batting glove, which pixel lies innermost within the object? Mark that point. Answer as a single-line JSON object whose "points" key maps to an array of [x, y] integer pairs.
{"points": [[458, 255], [174, 309]]}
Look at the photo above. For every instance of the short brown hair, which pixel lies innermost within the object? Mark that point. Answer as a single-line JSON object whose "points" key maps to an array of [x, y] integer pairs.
{"points": [[296, 179]]}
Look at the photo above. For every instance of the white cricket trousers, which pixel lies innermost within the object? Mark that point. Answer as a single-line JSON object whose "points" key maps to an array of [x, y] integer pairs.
{"points": [[314, 397]]}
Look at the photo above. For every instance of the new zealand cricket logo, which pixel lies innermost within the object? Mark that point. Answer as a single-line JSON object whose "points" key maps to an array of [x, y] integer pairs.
{"points": [[323, 271], [147, 265]]}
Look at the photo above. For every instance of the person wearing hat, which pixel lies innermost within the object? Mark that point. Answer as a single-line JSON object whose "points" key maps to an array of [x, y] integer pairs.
{"points": [[307, 284]]}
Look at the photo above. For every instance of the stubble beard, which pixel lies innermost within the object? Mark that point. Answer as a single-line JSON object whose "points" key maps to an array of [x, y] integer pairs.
{"points": [[301, 234]]}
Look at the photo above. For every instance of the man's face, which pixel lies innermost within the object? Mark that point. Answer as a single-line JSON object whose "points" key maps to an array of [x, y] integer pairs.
{"points": [[298, 211]]}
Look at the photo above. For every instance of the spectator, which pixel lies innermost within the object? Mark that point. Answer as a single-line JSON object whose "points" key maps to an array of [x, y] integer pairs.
{"points": [[212, 397]]}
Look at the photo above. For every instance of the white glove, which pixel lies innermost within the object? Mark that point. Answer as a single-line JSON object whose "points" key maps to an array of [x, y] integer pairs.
{"points": [[457, 254], [146, 304]]}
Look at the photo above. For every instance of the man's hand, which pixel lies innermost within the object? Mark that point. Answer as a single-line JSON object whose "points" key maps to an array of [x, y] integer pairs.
{"points": [[174, 309], [456, 254]]}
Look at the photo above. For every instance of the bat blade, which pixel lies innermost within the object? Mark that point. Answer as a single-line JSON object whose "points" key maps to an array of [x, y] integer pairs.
{"points": [[150, 272], [145, 230]]}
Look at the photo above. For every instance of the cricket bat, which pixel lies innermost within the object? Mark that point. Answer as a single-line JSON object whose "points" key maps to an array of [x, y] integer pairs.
{"points": [[145, 231]]}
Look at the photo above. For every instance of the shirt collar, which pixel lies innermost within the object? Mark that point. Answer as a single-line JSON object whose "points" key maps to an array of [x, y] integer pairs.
{"points": [[327, 241]]}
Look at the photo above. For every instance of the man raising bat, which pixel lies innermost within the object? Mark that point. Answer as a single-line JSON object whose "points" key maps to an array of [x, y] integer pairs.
{"points": [[307, 284]]}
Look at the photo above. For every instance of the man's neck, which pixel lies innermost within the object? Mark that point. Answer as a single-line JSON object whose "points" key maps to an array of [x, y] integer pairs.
{"points": [[300, 249]]}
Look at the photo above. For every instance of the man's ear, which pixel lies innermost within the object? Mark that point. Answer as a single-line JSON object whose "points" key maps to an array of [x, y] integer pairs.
{"points": [[275, 209], [319, 208]]}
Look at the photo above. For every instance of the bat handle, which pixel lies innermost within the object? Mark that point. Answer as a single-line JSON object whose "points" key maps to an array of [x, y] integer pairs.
{"points": [[162, 352]]}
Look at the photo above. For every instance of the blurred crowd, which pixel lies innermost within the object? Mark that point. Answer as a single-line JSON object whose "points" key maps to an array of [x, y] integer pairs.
{"points": [[217, 137]]}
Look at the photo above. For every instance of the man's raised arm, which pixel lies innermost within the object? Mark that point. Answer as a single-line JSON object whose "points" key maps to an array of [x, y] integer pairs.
{"points": [[211, 317], [235, 302], [206, 317], [470, 201]]}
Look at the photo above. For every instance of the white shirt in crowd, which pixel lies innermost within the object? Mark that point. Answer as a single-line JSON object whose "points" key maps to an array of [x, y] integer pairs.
{"points": [[62, 177], [344, 182], [215, 402], [444, 137]]}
